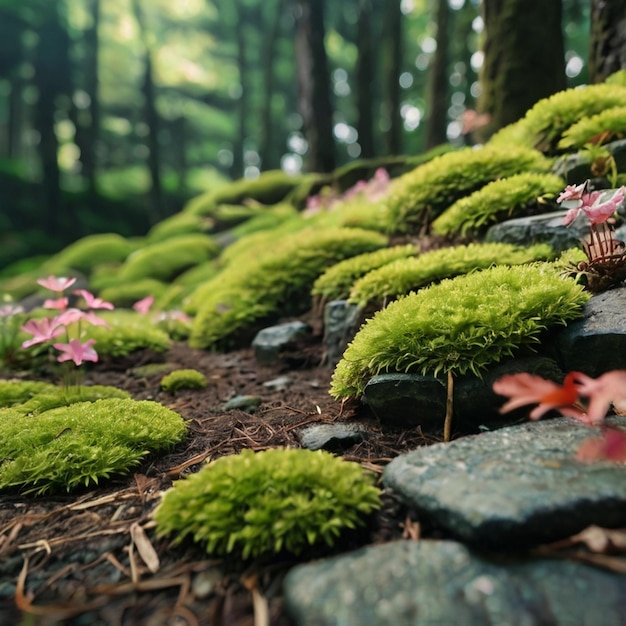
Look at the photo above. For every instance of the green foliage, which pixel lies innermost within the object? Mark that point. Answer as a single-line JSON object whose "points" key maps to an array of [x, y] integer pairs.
{"points": [[405, 275], [268, 219], [183, 379], [18, 391], [179, 224], [423, 194], [544, 124], [460, 325], [617, 78], [164, 260], [278, 281], [502, 199], [612, 122], [80, 444], [336, 281], [125, 294], [128, 332], [257, 504], [83, 255]]}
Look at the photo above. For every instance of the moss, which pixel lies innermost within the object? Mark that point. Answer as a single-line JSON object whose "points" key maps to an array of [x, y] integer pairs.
{"points": [[617, 78], [502, 199], [405, 275], [268, 219], [422, 195], [64, 396], [277, 500], [335, 283], [177, 225], [167, 259], [460, 325], [606, 126], [183, 379], [81, 444], [18, 391], [86, 253], [278, 282], [125, 294], [544, 124]]}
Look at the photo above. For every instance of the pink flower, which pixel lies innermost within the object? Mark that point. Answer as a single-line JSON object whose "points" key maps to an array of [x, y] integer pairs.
{"points": [[524, 388], [92, 302], [610, 447], [598, 211], [77, 351], [42, 330], [602, 392], [56, 284], [94, 320], [143, 306], [71, 316], [9, 310], [60, 304], [572, 192]]}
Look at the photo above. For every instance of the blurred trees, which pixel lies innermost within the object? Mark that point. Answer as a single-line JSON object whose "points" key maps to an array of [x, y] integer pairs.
{"points": [[607, 48]]}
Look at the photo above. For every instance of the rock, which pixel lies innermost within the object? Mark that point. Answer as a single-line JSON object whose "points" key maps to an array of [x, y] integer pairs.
{"points": [[249, 404], [278, 384], [433, 583], [270, 341], [340, 326], [512, 488], [596, 343], [332, 437]]}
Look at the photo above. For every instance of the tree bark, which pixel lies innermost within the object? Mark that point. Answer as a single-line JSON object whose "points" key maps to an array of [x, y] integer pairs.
{"points": [[607, 44], [314, 102], [391, 68], [364, 79], [237, 168], [437, 122], [523, 58]]}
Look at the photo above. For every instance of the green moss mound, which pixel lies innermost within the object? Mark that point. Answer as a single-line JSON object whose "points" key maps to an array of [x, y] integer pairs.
{"points": [[183, 379], [278, 282], [611, 123], [167, 259], [545, 123], [420, 196], [405, 275], [506, 198], [335, 283], [64, 396], [127, 293], [177, 225], [14, 392], [460, 325], [81, 444], [258, 504]]}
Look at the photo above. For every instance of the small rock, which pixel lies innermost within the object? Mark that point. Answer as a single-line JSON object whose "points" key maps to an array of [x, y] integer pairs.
{"points": [[249, 404], [331, 436], [270, 341], [340, 325], [278, 384]]}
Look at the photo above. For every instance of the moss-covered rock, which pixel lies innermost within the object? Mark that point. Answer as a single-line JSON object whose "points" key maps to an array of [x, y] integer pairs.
{"points": [[83, 443], [183, 379], [420, 196], [179, 224], [506, 198], [460, 325], [125, 294], [277, 283], [335, 283], [278, 500], [599, 129]]}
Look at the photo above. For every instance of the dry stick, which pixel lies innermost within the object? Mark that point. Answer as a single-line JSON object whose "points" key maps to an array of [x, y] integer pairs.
{"points": [[447, 425]]}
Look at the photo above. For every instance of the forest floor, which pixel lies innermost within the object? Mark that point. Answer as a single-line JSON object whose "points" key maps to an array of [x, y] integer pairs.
{"points": [[71, 558]]}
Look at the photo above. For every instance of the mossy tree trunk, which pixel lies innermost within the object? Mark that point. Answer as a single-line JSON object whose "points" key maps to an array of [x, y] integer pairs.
{"points": [[314, 99], [392, 63], [607, 45], [523, 57], [364, 79]]}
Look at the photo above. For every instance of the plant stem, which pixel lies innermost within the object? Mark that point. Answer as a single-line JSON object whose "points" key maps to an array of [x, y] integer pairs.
{"points": [[447, 425]]}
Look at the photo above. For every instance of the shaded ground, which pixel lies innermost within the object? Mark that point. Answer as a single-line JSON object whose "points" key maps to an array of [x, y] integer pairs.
{"points": [[70, 558]]}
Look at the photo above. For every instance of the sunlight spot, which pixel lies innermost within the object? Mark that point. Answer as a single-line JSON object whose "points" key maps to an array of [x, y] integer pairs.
{"points": [[456, 5], [251, 172], [574, 66], [405, 80], [429, 45], [354, 150], [291, 163], [453, 131], [478, 25], [476, 60]]}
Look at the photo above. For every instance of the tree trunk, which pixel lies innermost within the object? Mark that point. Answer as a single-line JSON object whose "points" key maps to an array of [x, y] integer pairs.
{"points": [[313, 84], [607, 45], [438, 104], [523, 58], [237, 168], [392, 65], [364, 79]]}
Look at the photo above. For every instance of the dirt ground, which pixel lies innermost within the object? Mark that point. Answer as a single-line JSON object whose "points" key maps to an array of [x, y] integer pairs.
{"points": [[71, 559]]}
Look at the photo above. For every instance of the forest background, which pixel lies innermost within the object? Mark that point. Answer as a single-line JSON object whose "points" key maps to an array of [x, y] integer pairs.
{"points": [[113, 113]]}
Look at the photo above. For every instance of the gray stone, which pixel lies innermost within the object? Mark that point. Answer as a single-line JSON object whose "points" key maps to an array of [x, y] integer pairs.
{"points": [[597, 342], [278, 384], [331, 436], [270, 341], [340, 326], [442, 583], [244, 403], [515, 487]]}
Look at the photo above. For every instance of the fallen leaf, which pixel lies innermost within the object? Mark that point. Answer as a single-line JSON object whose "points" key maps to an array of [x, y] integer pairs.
{"points": [[144, 547]]}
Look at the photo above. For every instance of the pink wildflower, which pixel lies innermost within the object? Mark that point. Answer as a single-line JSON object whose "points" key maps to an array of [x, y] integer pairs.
{"points": [[598, 211], [60, 304], [77, 351], [572, 192], [42, 330], [602, 392], [143, 306], [92, 302], [59, 284]]}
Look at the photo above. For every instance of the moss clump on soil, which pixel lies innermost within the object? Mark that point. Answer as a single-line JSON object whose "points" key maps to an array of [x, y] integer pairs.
{"points": [[460, 325], [254, 504], [65, 395], [126, 294], [183, 379], [18, 391], [277, 283], [81, 444], [177, 225], [506, 198], [420, 196], [601, 128], [336, 281], [405, 275]]}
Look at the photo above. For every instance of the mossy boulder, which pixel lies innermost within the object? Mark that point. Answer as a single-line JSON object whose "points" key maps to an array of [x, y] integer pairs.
{"points": [[179, 224], [83, 443], [277, 283], [404, 275], [255, 504], [183, 379], [598, 129], [125, 294], [460, 325], [420, 196]]}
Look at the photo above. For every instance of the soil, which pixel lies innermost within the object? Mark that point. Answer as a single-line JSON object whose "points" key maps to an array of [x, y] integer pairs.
{"points": [[69, 558]]}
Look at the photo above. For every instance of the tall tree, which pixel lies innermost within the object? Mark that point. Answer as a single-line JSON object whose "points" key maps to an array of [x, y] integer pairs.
{"points": [[314, 101], [392, 63], [524, 59], [607, 45], [364, 79]]}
